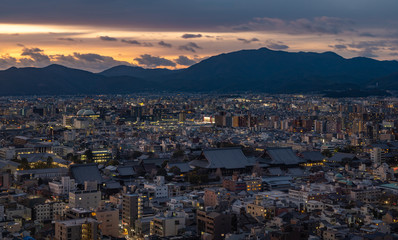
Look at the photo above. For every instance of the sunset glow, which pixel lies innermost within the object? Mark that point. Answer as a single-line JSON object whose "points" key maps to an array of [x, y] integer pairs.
{"points": [[125, 33]]}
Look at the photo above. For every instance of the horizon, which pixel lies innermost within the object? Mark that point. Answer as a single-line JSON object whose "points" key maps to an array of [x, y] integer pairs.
{"points": [[160, 67], [175, 34]]}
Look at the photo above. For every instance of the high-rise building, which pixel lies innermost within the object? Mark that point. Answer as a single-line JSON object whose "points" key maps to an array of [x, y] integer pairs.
{"points": [[182, 116], [376, 156], [109, 221], [131, 210], [76, 229], [213, 224]]}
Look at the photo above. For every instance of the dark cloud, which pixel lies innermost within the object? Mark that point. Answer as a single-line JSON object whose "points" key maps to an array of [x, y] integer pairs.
{"points": [[153, 61], [276, 45], [7, 61], [393, 54], [317, 25], [135, 42], [185, 61], [338, 46], [247, 40], [368, 48], [368, 52], [189, 15], [88, 61], [35, 57], [242, 29], [375, 45], [367, 34], [66, 39], [191, 47], [36, 54], [188, 35], [107, 38], [164, 44]]}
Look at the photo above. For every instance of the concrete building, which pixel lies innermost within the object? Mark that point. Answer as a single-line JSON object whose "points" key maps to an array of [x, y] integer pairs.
{"points": [[256, 209], [109, 221], [213, 196], [376, 156], [48, 211], [131, 210], [63, 187], [76, 229], [159, 188], [254, 185], [367, 194], [85, 199], [168, 225], [214, 224]]}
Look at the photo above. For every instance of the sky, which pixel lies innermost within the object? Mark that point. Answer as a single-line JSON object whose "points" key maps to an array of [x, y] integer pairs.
{"points": [[98, 34]]}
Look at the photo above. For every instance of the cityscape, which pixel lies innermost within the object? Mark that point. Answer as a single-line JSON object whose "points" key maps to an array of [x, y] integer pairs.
{"points": [[198, 120], [198, 166]]}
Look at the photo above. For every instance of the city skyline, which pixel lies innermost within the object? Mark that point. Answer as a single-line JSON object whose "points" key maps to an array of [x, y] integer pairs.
{"points": [[176, 34]]}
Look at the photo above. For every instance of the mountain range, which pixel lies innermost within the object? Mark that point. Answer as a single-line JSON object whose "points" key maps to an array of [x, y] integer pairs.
{"points": [[260, 70]]}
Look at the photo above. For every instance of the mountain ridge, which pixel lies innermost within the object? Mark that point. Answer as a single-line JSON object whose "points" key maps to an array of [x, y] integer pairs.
{"points": [[257, 70]]}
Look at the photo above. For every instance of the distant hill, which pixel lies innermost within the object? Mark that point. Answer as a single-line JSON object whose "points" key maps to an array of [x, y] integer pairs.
{"points": [[260, 70], [138, 72], [60, 80], [386, 82], [278, 71]]}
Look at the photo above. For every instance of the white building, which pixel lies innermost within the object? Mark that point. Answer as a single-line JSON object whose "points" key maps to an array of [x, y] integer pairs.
{"points": [[160, 189], [61, 150], [313, 205], [168, 225], [366, 194], [48, 211], [174, 204], [81, 123], [376, 156], [63, 187]]}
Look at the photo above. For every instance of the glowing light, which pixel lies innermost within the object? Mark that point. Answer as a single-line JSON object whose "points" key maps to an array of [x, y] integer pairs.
{"points": [[31, 28]]}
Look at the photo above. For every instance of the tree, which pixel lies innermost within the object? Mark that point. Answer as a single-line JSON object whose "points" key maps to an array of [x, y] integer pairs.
{"points": [[24, 164], [89, 155], [327, 153], [161, 172], [40, 165], [113, 162], [49, 161], [69, 156], [175, 170], [117, 157], [257, 170]]}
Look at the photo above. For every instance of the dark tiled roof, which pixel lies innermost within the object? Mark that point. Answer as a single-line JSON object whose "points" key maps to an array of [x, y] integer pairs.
{"points": [[125, 170], [338, 157], [86, 172], [313, 156], [284, 156]]}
